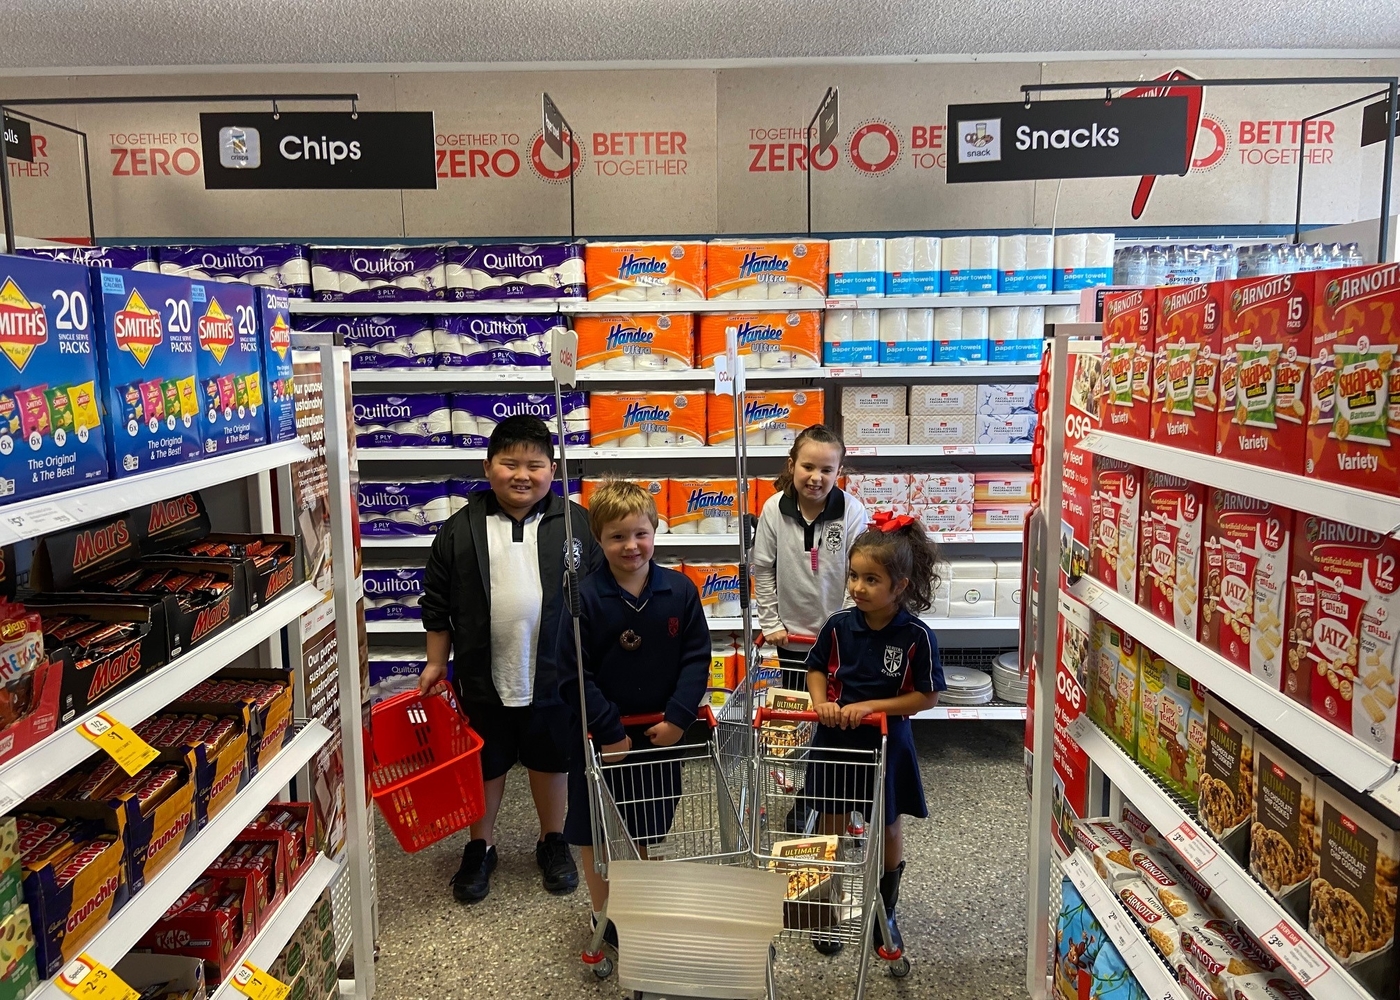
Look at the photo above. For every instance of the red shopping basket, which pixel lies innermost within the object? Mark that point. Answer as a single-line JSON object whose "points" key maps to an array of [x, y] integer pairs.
{"points": [[424, 768]]}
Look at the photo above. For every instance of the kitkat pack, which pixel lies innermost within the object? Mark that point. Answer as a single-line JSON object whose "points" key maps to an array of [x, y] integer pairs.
{"points": [[149, 379], [50, 423], [232, 399], [275, 325]]}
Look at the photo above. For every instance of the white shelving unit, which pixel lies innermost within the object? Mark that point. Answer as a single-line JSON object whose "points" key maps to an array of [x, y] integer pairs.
{"points": [[1147, 966], [142, 910], [414, 625], [583, 454], [695, 376], [952, 301], [579, 307], [670, 541]]}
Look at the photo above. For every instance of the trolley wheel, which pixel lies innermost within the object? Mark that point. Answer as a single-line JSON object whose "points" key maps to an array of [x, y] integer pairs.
{"points": [[603, 969], [899, 968]]}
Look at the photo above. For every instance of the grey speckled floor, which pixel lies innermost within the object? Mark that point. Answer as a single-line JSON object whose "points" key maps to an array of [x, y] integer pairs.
{"points": [[961, 908]]}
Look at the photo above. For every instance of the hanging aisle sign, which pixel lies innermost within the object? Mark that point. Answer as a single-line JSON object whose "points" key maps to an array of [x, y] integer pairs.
{"points": [[1047, 140], [368, 149], [19, 143]]}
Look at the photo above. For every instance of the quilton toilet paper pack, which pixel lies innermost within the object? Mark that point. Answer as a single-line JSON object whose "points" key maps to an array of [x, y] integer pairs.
{"points": [[377, 274], [379, 343], [514, 271], [271, 265], [413, 420], [493, 342]]}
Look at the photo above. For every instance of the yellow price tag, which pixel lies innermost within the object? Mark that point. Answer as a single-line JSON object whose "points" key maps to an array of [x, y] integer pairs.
{"points": [[255, 984], [89, 979], [130, 751]]}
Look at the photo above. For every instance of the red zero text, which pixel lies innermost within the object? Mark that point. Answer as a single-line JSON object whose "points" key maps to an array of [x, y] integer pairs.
{"points": [[462, 155], [781, 157], [154, 161]]}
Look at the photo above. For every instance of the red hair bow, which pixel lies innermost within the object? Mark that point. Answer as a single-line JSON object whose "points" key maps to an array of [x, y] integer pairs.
{"points": [[887, 521]]}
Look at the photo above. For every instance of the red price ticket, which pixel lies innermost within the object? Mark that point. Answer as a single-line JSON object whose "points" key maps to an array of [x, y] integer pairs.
{"points": [[1192, 846], [1297, 955]]}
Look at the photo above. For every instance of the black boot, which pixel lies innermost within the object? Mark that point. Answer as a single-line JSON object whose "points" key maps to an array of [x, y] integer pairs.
{"points": [[473, 880], [889, 892]]}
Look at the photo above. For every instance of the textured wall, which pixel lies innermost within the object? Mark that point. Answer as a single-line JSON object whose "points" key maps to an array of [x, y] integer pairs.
{"points": [[177, 32]]}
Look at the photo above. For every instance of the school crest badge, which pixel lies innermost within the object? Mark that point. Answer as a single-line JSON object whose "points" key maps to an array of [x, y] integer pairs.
{"points": [[894, 661]]}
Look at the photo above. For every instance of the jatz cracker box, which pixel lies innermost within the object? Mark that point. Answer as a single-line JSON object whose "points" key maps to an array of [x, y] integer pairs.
{"points": [[150, 383], [1350, 576], [1264, 353], [1186, 363], [50, 419], [1244, 579], [1117, 509], [1169, 549], [1129, 340], [233, 402], [275, 324], [1354, 404]]}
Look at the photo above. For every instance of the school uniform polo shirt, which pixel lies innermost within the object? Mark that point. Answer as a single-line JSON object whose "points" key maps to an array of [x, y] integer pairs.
{"points": [[865, 664], [517, 601]]}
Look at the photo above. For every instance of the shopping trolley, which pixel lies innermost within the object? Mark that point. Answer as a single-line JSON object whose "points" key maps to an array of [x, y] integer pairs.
{"points": [[835, 856]]}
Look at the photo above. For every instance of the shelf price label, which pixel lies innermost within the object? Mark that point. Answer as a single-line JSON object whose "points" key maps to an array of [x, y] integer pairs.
{"points": [[963, 713], [9, 798], [866, 450], [1192, 846], [87, 978], [255, 984], [1295, 953], [959, 449], [846, 373], [1095, 597], [39, 520], [1123, 937], [957, 537], [844, 302], [130, 751]]}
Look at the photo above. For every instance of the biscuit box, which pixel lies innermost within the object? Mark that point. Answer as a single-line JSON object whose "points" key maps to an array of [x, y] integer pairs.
{"points": [[50, 415], [1227, 778], [1129, 343], [1349, 604], [641, 342], [229, 353], [647, 419], [1187, 359], [1283, 834], [1113, 696], [19, 975], [1353, 907], [1169, 549], [1265, 346], [764, 340], [149, 375], [1172, 731], [771, 416], [1354, 401], [1116, 512], [275, 323], [1244, 582]]}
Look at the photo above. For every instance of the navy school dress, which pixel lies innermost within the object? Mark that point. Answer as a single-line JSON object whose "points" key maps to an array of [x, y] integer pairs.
{"points": [[865, 664], [641, 655]]}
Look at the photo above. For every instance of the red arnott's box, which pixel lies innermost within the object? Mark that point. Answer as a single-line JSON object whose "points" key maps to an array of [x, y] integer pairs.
{"points": [[1354, 410], [1129, 339], [1264, 354], [1185, 366]]}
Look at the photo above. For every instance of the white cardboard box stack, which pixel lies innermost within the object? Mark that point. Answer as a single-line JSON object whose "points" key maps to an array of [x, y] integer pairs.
{"points": [[978, 588]]}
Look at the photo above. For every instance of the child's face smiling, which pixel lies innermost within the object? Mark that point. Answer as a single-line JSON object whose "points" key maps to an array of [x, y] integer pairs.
{"points": [[870, 586], [628, 543], [520, 477], [814, 470]]}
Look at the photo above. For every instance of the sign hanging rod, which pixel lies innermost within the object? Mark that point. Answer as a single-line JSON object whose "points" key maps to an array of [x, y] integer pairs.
{"points": [[1248, 81]]}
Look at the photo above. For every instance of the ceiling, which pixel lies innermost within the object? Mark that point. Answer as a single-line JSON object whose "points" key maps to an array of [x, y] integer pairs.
{"points": [[155, 33]]}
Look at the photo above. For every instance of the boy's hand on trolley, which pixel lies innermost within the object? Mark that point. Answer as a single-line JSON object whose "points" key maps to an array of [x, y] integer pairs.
{"points": [[852, 715], [665, 734], [777, 638], [828, 713], [614, 752], [431, 679]]}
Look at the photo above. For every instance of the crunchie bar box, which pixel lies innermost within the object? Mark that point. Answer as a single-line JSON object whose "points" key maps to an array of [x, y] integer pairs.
{"points": [[233, 404], [50, 418]]}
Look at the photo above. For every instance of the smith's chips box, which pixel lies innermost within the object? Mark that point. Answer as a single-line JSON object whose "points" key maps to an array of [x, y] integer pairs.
{"points": [[232, 398], [1185, 367], [1354, 409], [1129, 340], [50, 418], [1264, 351], [275, 322], [149, 380]]}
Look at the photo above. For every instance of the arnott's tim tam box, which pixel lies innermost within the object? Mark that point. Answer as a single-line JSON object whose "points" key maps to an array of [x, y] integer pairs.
{"points": [[233, 406], [149, 379]]}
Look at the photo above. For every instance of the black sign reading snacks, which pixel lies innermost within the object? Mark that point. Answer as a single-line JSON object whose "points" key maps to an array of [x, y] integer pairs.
{"points": [[371, 149], [1046, 140], [19, 145]]}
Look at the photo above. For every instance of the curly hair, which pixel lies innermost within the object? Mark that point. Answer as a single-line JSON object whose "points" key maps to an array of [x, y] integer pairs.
{"points": [[906, 553]]}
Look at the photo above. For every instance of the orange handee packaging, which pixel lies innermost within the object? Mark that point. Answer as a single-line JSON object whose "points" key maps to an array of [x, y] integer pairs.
{"points": [[1265, 345], [647, 419], [766, 269], [641, 342], [765, 340], [706, 505], [1354, 401], [1187, 361], [761, 489], [1129, 340], [771, 416], [658, 488], [718, 584], [645, 271]]}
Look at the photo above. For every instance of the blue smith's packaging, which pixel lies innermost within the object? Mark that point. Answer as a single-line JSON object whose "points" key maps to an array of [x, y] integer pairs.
{"points": [[231, 399], [50, 423], [275, 323], [149, 379]]}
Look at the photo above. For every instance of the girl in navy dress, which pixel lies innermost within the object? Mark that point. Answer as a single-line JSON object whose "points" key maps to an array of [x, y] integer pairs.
{"points": [[876, 657]]}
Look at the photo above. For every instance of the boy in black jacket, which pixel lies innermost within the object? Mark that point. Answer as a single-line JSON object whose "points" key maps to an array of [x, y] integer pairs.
{"points": [[492, 600], [646, 650]]}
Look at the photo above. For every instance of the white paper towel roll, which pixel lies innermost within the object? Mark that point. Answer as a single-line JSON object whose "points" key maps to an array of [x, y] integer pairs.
{"points": [[1030, 323], [1061, 314], [661, 293], [894, 326], [1003, 321], [975, 323], [899, 254], [631, 294], [1011, 253], [786, 290], [928, 253], [947, 324], [622, 363], [1069, 251], [866, 325], [844, 257], [781, 436], [870, 254], [755, 291], [982, 253], [1040, 252], [1098, 250], [839, 326], [957, 253], [919, 328]]}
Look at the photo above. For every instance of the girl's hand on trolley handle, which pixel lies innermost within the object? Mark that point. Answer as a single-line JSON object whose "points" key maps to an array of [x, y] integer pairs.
{"points": [[614, 752], [828, 713], [852, 715], [665, 734]]}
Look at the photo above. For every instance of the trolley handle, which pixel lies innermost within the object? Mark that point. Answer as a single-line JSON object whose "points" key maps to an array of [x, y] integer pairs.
{"points": [[793, 639], [769, 714], [652, 718]]}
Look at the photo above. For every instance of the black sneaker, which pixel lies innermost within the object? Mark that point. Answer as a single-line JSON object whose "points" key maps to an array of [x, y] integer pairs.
{"points": [[473, 880], [609, 932], [557, 862]]}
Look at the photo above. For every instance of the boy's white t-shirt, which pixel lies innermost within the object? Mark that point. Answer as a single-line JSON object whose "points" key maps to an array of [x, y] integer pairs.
{"points": [[516, 604]]}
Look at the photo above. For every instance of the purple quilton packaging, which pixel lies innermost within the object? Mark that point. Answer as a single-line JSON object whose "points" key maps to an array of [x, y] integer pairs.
{"points": [[271, 265], [515, 271], [379, 342], [476, 414], [393, 594], [403, 507], [376, 274], [493, 342], [414, 420], [130, 258]]}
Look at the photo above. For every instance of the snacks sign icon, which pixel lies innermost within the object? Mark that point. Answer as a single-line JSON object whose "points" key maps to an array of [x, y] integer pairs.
{"points": [[980, 141]]}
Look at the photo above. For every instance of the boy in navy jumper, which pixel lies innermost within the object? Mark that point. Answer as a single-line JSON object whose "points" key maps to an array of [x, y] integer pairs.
{"points": [[646, 649]]}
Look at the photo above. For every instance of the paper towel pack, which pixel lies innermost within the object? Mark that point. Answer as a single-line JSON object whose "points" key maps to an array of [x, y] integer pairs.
{"points": [[649, 419], [771, 416], [1025, 264], [851, 337], [856, 267], [127, 258], [1083, 260], [969, 265], [376, 274], [1028, 342], [272, 265], [912, 265], [636, 342], [378, 343], [769, 340], [415, 420], [402, 507], [474, 415], [960, 336], [514, 271], [492, 342], [767, 269], [643, 270]]}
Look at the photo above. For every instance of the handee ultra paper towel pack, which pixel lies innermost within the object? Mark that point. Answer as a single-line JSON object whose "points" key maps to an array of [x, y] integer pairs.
{"points": [[379, 343], [377, 274], [271, 265], [764, 340], [648, 419], [767, 269], [514, 271], [474, 415], [494, 342], [647, 271], [636, 342]]}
